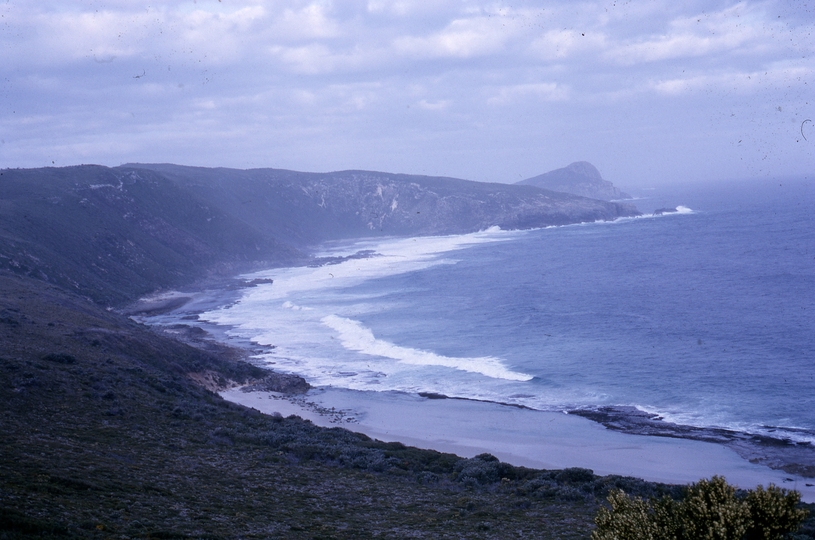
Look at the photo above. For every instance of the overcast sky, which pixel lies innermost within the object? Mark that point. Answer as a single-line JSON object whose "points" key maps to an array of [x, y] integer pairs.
{"points": [[647, 91]]}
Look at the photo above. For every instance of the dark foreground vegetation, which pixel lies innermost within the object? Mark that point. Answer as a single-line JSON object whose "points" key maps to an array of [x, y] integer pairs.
{"points": [[707, 509], [104, 434], [107, 431]]}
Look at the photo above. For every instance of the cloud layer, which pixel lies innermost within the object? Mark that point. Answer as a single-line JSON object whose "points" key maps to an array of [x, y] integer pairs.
{"points": [[648, 91]]}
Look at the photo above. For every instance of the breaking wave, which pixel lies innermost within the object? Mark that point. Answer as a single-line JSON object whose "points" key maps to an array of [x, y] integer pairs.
{"points": [[357, 337]]}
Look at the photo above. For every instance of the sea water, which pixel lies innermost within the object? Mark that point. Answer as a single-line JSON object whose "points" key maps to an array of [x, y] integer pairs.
{"points": [[704, 316]]}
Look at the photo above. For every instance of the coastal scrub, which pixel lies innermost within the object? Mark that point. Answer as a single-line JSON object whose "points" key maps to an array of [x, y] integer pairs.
{"points": [[710, 510]]}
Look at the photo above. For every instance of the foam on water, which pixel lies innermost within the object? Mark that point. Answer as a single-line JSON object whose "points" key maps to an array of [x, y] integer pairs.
{"points": [[393, 256], [304, 309], [356, 337]]}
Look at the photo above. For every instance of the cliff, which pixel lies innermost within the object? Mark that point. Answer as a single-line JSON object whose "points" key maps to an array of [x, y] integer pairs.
{"points": [[114, 234]]}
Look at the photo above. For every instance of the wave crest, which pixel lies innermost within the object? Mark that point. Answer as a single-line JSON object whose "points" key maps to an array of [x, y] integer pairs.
{"points": [[357, 337]]}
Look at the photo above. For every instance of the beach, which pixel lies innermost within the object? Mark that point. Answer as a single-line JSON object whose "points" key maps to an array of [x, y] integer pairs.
{"points": [[524, 437]]}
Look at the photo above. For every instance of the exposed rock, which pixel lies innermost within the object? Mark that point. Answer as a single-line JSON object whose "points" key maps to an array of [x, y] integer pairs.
{"points": [[660, 211], [284, 383], [782, 454], [212, 380]]}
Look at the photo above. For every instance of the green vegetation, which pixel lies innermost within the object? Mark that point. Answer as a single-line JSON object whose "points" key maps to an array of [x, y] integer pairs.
{"points": [[709, 510]]}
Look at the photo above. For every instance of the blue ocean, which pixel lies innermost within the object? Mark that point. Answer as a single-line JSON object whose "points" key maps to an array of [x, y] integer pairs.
{"points": [[704, 316]]}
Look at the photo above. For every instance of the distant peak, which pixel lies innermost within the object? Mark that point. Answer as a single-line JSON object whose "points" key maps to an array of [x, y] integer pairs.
{"points": [[584, 168], [579, 178]]}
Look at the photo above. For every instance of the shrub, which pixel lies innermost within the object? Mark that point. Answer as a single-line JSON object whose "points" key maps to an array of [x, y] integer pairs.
{"points": [[630, 518], [575, 475], [483, 469], [774, 512], [710, 510], [60, 358]]}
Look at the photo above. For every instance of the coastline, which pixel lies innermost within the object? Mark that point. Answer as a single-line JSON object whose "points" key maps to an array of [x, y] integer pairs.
{"points": [[609, 440], [524, 437]]}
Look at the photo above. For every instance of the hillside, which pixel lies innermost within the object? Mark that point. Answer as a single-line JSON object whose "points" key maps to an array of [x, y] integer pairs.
{"points": [[579, 178], [114, 234], [310, 207]]}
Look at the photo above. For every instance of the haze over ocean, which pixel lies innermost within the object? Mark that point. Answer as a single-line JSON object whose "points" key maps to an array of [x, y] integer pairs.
{"points": [[702, 316]]}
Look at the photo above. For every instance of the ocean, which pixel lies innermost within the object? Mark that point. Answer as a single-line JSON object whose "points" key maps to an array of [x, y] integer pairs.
{"points": [[701, 318]]}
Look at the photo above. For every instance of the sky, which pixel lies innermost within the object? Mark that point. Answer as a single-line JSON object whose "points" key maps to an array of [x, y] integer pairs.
{"points": [[648, 91]]}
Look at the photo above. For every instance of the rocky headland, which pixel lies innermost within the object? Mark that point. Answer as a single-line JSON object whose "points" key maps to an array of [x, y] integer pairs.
{"points": [[579, 178], [117, 234]]}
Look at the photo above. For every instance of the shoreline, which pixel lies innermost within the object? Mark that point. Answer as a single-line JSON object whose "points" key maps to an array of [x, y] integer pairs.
{"points": [[175, 313], [768, 459], [523, 437]]}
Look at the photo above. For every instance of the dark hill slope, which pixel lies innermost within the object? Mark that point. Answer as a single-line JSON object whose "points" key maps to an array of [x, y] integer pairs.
{"points": [[579, 178], [114, 234]]}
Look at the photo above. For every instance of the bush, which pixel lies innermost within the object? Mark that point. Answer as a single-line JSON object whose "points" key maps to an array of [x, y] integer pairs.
{"points": [[774, 512], [630, 518], [710, 510], [483, 469]]}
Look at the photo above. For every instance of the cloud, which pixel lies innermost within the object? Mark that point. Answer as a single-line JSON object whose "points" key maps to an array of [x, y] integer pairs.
{"points": [[52, 38], [405, 8], [462, 38], [704, 34], [317, 58], [537, 91], [560, 44], [439, 105], [443, 86], [308, 23], [777, 76]]}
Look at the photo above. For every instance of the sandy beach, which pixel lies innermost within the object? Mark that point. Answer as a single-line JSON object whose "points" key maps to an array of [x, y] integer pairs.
{"points": [[543, 440]]}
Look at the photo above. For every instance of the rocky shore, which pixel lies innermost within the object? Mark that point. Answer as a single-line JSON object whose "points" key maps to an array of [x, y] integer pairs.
{"points": [[776, 453]]}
